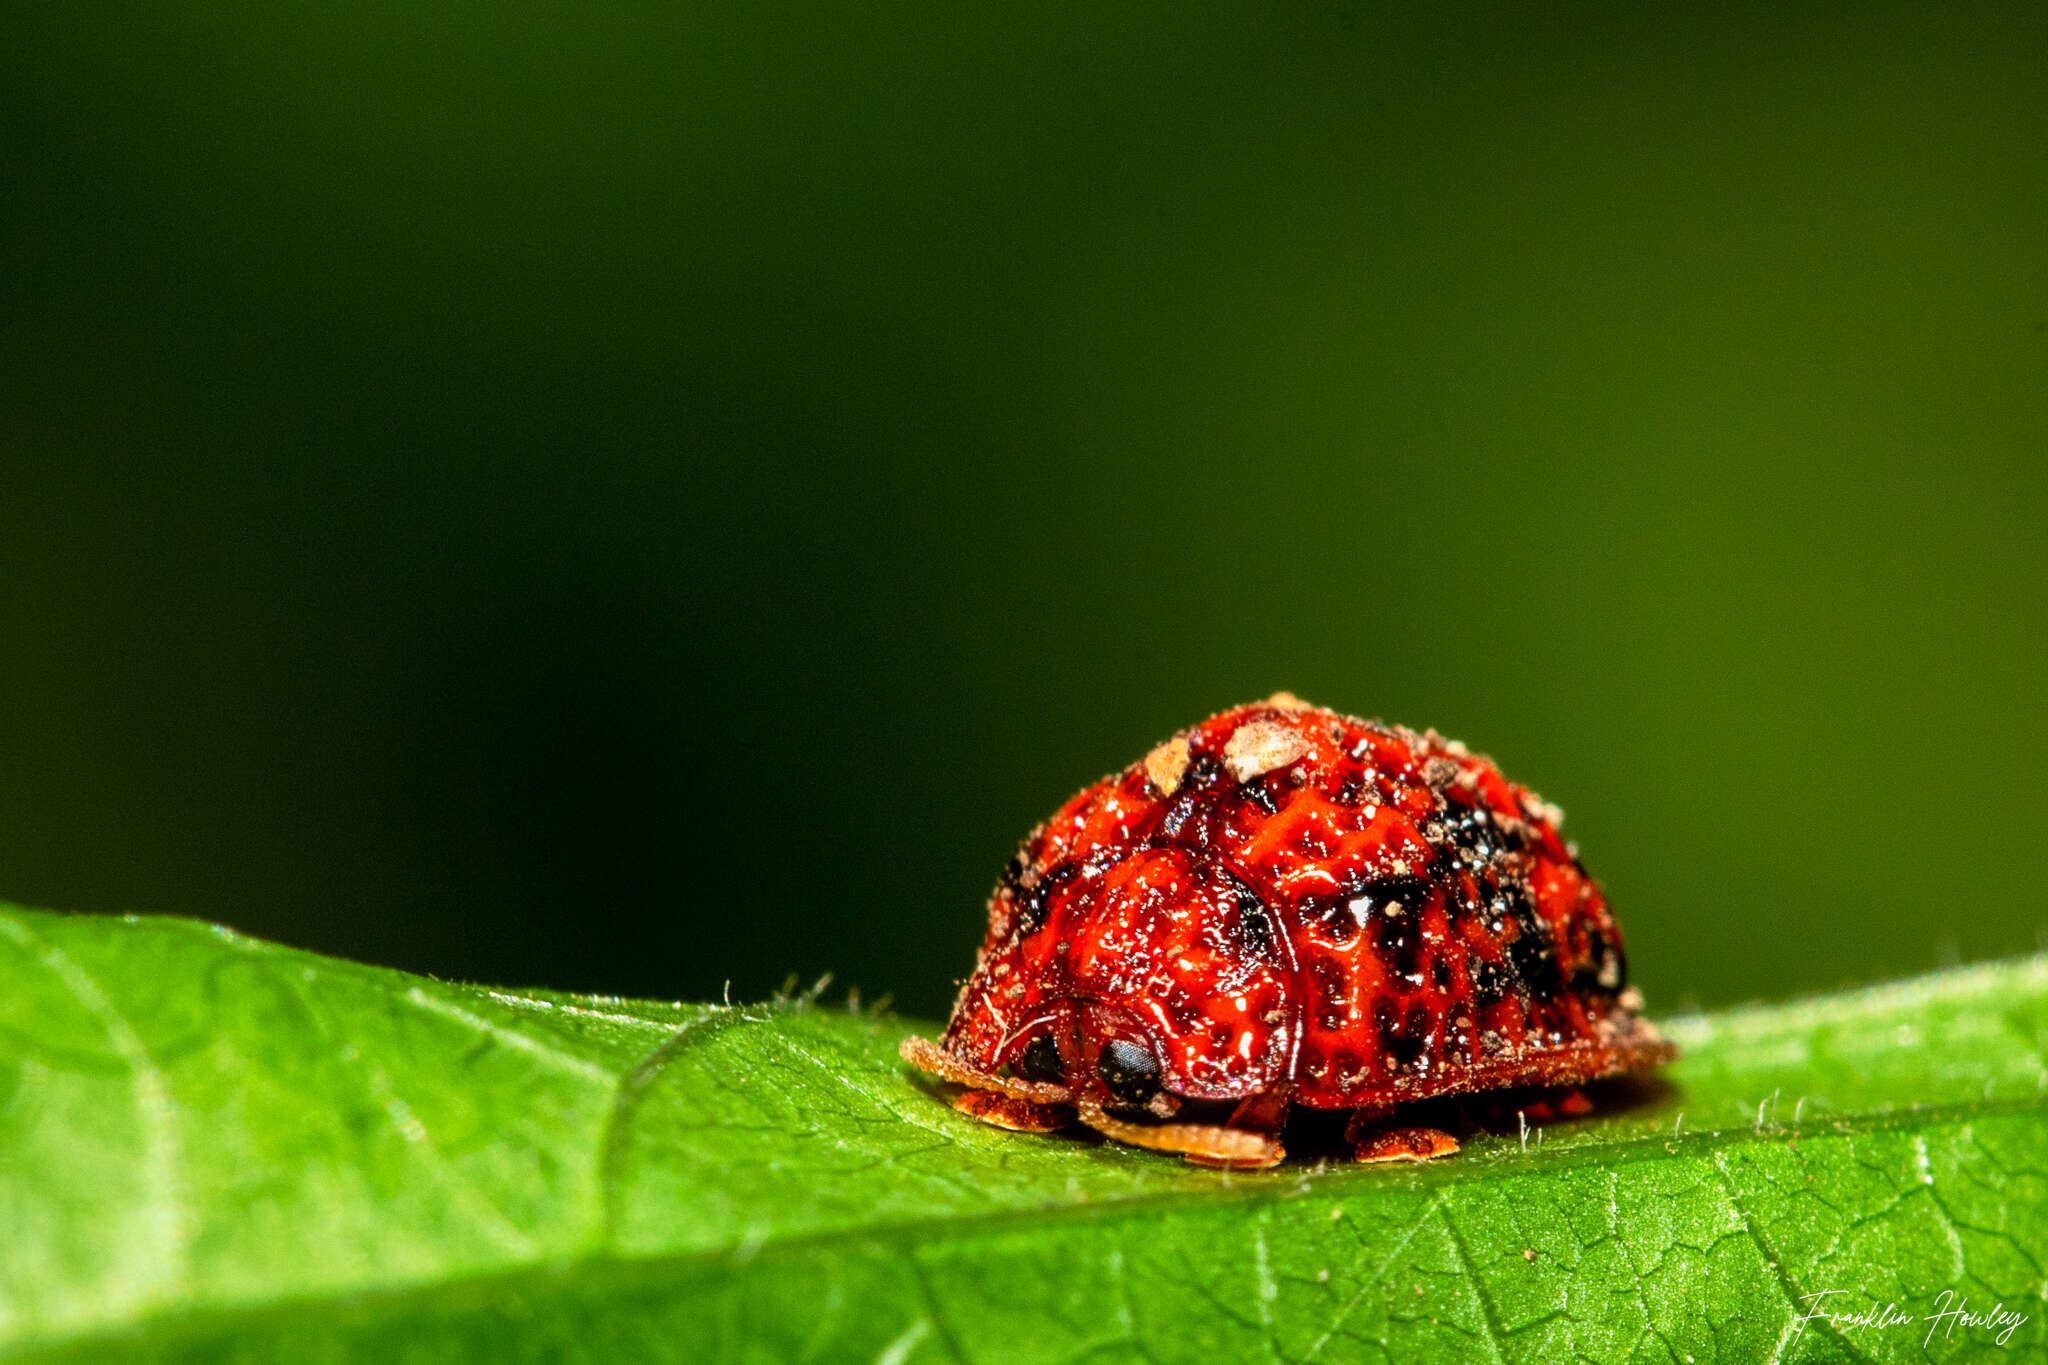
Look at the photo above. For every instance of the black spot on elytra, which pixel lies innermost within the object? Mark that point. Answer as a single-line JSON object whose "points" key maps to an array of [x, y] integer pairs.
{"points": [[1013, 875], [1467, 833], [1412, 892], [1039, 1061], [1255, 929], [1440, 972], [1531, 952], [1461, 896], [1129, 1070], [1335, 916], [1259, 793], [1489, 981], [1030, 909], [1419, 1025], [1033, 906], [1330, 914], [1402, 1043], [1600, 951], [1397, 932], [1190, 818], [1486, 887], [1011, 887]]}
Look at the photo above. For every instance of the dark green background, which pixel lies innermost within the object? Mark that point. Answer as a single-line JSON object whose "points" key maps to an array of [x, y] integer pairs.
{"points": [[629, 496]]}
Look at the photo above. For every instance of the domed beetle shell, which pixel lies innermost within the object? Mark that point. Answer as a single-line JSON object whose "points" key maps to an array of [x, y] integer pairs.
{"points": [[1286, 906]]}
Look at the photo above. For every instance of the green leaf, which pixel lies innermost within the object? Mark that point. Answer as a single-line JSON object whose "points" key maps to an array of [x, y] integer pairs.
{"points": [[212, 1148]]}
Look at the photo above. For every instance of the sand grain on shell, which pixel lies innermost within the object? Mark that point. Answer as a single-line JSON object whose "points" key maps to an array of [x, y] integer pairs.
{"points": [[1261, 746]]}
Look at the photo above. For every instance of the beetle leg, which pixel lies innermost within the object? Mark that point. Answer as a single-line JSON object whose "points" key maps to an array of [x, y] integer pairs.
{"points": [[1364, 1120], [1371, 1140], [1019, 1116], [1205, 1144], [1265, 1112], [929, 1057], [1405, 1144]]}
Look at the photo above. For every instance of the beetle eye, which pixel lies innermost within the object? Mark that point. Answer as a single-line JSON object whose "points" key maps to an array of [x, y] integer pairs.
{"points": [[1129, 1070], [1039, 1061]]}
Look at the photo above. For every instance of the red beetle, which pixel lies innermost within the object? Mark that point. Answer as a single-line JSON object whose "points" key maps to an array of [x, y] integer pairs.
{"points": [[1285, 906]]}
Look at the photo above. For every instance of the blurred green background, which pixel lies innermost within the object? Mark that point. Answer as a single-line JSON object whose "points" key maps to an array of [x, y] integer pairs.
{"points": [[627, 497]]}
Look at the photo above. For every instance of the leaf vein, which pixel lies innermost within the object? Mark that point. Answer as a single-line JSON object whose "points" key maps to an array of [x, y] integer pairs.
{"points": [[170, 1215]]}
